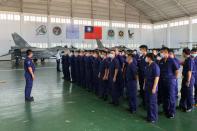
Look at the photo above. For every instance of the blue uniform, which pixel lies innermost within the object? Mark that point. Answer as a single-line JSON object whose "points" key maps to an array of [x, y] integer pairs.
{"points": [[65, 67], [195, 85], [135, 60], [186, 101], [121, 59], [91, 72], [155, 58], [82, 71], [152, 71], [131, 85], [95, 79], [116, 86], [29, 81], [168, 85], [141, 71], [104, 84], [88, 66], [136, 56], [77, 68]]}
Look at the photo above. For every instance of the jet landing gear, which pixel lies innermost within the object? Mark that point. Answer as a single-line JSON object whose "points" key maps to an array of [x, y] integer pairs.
{"points": [[17, 61], [42, 60], [35, 60]]}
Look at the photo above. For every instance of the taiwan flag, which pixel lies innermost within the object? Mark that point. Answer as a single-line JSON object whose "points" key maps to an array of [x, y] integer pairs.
{"points": [[93, 32]]}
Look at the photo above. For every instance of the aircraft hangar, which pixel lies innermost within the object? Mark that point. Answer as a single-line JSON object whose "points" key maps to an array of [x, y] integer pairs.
{"points": [[98, 65]]}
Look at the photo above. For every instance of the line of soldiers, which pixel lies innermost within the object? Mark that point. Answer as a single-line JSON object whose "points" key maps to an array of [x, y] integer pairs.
{"points": [[113, 73]]}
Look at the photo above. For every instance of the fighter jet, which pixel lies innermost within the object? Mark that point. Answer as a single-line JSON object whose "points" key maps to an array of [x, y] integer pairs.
{"points": [[18, 52], [100, 46]]}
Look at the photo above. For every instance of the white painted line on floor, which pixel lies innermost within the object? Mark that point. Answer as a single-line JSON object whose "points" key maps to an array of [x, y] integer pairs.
{"points": [[2, 81], [67, 121], [23, 69]]}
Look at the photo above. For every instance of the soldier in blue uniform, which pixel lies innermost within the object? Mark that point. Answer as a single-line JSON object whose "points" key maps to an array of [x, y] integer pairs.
{"points": [[123, 54], [188, 80], [66, 65], [91, 70], [104, 76], [194, 55], [29, 75], [131, 82], [82, 69], [160, 93], [172, 55], [168, 82], [136, 55], [119, 54], [95, 68], [115, 78], [119, 57], [152, 74], [88, 64], [141, 70], [77, 67], [155, 53]]}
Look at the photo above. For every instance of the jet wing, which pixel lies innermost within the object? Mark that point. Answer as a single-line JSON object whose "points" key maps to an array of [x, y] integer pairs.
{"points": [[158, 49], [5, 54], [121, 48]]}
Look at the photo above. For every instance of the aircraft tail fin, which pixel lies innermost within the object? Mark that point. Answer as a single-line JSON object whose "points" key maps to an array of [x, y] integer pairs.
{"points": [[19, 41], [99, 44]]}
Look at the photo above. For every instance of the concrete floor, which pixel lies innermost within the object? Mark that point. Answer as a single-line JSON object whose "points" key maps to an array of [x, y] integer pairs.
{"points": [[62, 106]]}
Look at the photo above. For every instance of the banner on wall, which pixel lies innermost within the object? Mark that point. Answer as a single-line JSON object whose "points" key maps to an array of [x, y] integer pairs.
{"points": [[41, 30], [93, 32], [121, 34], [72, 32], [130, 34], [110, 34], [57, 30]]}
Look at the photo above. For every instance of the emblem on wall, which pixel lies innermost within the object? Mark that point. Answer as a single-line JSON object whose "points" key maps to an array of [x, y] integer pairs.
{"points": [[41, 30], [57, 30], [111, 33], [121, 33], [131, 34]]}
